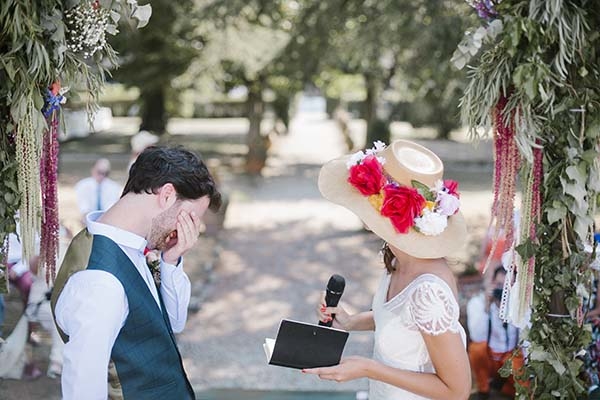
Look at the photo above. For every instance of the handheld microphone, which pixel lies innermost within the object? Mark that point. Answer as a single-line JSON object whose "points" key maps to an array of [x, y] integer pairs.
{"points": [[335, 288]]}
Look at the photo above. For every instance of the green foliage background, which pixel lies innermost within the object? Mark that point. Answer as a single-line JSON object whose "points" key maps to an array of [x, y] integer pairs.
{"points": [[546, 61], [33, 55]]}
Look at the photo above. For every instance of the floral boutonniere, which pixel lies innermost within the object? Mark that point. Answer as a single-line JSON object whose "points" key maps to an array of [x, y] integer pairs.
{"points": [[153, 262]]}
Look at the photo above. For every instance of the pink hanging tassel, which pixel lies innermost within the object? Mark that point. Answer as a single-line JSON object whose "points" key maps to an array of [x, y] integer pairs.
{"points": [[535, 213], [506, 167], [49, 185]]}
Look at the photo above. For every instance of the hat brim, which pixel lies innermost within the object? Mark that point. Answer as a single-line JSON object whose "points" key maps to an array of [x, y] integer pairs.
{"points": [[334, 186]]}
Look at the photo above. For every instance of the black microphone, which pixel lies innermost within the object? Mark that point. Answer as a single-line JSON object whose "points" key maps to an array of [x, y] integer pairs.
{"points": [[335, 288]]}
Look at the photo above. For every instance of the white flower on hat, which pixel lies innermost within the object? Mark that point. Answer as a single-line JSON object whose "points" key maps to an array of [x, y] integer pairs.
{"points": [[378, 146], [439, 186], [355, 158], [431, 223]]}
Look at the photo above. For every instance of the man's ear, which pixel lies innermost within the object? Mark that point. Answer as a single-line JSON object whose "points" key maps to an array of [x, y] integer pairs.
{"points": [[167, 195]]}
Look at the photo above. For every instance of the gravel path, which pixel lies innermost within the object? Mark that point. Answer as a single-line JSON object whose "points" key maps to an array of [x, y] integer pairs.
{"points": [[282, 243]]}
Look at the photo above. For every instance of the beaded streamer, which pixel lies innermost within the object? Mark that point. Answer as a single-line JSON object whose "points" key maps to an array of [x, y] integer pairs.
{"points": [[28, 152], [48, 180], [507, 161], [530, 218], [503, 312]]}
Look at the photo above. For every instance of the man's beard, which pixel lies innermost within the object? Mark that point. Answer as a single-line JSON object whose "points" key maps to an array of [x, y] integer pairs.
{"points": [[161, 238]]}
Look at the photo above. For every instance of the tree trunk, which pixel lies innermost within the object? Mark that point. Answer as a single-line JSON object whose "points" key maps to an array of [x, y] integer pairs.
{"points": [[377, 129], [370, 107], [281, 108], [154, 115], [257, 144], [446, 122], [444, 131]]}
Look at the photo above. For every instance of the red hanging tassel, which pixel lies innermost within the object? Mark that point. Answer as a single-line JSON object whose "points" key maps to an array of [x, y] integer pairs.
{"points": [[506, 167], [49, 186]]}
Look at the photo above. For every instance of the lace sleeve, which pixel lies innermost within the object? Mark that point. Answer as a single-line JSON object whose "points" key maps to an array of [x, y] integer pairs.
{"points": [[434, 308]]}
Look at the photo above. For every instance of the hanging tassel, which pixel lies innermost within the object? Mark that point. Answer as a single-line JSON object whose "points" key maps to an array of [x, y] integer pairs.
{"points": [[531, 214], [48, 180], [506, 167], [28, 153]]}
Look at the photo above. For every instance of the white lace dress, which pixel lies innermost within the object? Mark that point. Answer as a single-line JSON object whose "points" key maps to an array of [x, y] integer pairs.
{"points": [[427, 304]]}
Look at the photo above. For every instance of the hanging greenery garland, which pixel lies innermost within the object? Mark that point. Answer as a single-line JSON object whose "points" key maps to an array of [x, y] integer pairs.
{"points": [[42, 44], [534, 85]]}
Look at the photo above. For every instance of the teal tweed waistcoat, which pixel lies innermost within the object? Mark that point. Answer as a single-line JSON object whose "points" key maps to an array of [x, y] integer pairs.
{"points": [[145, 353]]}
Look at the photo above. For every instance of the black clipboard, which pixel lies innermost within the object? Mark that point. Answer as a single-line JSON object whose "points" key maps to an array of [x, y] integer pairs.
{"points": [[301, 345]]}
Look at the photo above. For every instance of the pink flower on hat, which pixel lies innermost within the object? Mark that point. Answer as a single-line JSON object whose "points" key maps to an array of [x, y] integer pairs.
{"points": [[448, 204], [402, 204], [367, 177], [452, 187]]}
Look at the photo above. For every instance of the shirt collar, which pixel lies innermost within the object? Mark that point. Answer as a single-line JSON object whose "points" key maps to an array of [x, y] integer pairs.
{"points": [[117, 235]]}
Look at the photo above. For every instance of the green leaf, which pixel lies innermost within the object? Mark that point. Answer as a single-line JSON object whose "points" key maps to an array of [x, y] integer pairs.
{"points": [[423, 189], [9, 68], [582, 226], [594, 181], [526, 250], [112, 29], [577, 173], [531, 88], [459, 59], [593, 129], [539, 355], [142, 14], [557, 365], [556, 213], [576, 191], [18, 108], [115, 16], [589, 156]]}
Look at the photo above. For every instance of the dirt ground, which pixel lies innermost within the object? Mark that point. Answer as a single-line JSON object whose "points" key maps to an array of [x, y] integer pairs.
{"points": [[224, 151]]}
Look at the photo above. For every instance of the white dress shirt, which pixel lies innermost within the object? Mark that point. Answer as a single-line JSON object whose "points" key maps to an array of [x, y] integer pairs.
{"points": [[92, 309], [87, 194], [502, 339]]}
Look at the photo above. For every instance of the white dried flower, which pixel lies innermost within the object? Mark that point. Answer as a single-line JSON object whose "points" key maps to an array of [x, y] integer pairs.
{"points": [[355, 158], [431, 223]]}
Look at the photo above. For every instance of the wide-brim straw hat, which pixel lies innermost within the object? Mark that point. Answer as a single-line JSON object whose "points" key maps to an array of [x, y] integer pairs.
{"points": [[404, 161]]}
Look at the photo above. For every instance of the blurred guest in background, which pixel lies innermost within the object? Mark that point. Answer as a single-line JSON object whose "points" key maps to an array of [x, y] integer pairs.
{"points": [[492, 340], [97, 192]]}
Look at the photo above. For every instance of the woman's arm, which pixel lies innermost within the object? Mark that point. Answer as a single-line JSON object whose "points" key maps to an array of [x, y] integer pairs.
{"points": [[452, 380]]}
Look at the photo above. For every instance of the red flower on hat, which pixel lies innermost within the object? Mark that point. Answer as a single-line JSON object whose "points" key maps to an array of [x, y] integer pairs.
{"points": [[367, 177], [402, 204]]}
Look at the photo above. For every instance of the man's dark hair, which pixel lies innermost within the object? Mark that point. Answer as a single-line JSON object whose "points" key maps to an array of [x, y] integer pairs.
{"points": [[158, 165]]}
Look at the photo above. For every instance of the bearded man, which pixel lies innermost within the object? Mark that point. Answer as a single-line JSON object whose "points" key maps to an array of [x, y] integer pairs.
{"points": [[111, 309]]}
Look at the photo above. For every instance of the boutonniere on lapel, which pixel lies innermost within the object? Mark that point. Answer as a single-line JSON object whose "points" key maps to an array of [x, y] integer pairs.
{"points": [[153, 262]]}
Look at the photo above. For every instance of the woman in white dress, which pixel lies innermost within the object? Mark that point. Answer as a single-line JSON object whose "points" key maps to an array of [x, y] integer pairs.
{"points": [[419, 351]]}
